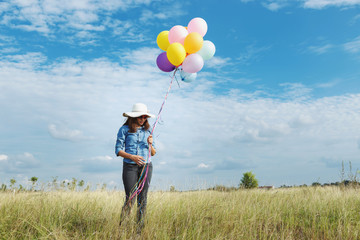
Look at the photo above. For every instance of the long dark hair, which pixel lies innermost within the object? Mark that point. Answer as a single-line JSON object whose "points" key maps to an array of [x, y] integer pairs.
{"points": [[131, 122]]}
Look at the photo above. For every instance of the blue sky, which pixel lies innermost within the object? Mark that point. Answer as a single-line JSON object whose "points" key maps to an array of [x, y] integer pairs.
{"points": [[280, 98]]}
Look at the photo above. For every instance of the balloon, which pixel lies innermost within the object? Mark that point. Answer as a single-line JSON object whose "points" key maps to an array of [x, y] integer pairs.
{"points": [[207, 51], [162, 40], [193, 63], [177, 34], [163, 63], [193, 42], [187, 77], [198, 25], [176, 53]]}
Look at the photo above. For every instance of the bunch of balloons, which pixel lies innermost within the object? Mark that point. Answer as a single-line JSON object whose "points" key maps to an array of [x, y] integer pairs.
{"points": [[185, 47]]}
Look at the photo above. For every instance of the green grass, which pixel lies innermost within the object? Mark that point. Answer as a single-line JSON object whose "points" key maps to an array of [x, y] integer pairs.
{"points": [[297, 213]]}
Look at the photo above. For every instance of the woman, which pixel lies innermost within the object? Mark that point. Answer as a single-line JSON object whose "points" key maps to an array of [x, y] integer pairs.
{"points": [[133, 142]]}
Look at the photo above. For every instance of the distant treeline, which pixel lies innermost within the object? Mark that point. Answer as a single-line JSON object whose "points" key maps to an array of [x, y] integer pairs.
{"points": [[345, 183], [347, 179]]}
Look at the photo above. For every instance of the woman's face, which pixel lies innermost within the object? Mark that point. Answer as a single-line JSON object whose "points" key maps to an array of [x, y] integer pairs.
{"points": [[141, 120]]}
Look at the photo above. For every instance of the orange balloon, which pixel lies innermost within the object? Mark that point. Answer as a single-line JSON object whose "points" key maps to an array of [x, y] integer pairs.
{"points": [[193, 42]]}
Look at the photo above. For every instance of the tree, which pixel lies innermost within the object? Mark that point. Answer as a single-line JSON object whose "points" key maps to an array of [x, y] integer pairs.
{"points": [[172, 188], [72, 186], [316, 184], [55, 183], [33, 180], [12, 183], [249, 181], [81, 183]]}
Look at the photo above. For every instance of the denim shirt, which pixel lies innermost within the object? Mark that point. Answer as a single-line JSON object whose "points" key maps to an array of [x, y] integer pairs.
{"points": [[133, 143]]}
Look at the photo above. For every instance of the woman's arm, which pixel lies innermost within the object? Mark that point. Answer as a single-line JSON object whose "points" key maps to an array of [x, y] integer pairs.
{"points": [[139, 160], [150, 141], [120, 140], [153, 150]]}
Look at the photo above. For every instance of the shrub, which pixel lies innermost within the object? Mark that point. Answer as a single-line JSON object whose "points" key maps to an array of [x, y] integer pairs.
{"points": [[249, 181]]}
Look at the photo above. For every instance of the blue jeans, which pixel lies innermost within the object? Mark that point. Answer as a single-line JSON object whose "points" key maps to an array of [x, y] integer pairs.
{"points": [[131, 175]]}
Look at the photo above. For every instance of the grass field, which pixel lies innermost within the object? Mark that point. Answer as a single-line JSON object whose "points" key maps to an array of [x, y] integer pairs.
{"points": [[296, 213]]}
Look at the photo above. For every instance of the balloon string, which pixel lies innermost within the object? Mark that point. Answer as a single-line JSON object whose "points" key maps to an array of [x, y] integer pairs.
{"points": [[162, 105], [142, 180]]}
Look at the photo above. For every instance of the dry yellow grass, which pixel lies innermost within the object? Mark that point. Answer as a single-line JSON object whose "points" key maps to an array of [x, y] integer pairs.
{"points": [[297, 213]]}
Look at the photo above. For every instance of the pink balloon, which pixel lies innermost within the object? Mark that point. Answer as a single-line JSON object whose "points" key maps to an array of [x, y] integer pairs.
{"points": [[198, 25], [177, 34], [193, 63]]}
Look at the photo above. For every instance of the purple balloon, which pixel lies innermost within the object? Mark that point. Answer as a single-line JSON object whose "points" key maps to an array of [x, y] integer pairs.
{"points": [[163, 63]]}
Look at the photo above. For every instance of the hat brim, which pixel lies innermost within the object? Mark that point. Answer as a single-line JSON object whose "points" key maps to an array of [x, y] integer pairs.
{"points": [[137, 114]]}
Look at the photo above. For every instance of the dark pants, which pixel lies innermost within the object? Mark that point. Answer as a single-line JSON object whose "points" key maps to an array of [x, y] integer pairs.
{"points": [[131, 175]]}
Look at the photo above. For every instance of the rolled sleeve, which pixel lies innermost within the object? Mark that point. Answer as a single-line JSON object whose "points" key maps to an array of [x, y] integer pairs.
{"points": [[120, 140]]}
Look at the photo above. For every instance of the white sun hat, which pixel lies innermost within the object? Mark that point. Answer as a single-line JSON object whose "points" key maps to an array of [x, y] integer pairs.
{"points": [[138, 109]]}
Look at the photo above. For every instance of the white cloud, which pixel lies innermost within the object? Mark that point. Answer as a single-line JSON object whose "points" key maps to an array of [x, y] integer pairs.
{"points": [[3, 157], [28, 61], [272, 5], [47, 17], [203, 165], [217, 62], [64, 133], [7, 39], [87, 98], [354, 19], [4, 6], [9, 50], [329, 84], [320, 49], [141, 56], [101, 164], [175, 9], [125, 30], [275, 5], [20, 163], [296, 91], [353, 46], [319, 4], [25, 160], [252, 53], [302, 121], [147, 15]]}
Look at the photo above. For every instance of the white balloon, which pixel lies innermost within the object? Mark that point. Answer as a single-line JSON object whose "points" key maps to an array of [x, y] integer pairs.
{"points": [[207, 51]]}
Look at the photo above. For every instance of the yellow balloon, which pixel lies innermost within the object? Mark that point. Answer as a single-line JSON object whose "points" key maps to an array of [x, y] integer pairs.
{"points": [[193, 42], [176, 53], [162, 40]]}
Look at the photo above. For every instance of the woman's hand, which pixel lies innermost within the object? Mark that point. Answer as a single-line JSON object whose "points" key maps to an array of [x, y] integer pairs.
{"points": [[150, 140], [139, 160]]}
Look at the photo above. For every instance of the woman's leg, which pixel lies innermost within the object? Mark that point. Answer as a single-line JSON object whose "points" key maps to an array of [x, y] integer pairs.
{"points": [[130, 178], [142, 197]]}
